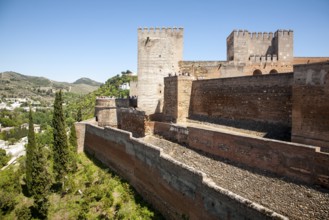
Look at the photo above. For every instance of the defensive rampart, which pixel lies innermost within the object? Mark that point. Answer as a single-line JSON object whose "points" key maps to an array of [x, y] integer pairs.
{"points": [[310, 124], [296, 161], [259, 102], [175, 189]]}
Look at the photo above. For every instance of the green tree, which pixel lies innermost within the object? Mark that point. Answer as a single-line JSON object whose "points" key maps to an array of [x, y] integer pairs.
{"points": [[4, 158], [79, 115], [37, 175], [73, 149], [30, 156], [60, 145]]}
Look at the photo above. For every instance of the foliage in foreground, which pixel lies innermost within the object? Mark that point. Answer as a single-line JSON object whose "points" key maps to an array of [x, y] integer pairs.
{"points": [[60, 144], [4, 158], [37, 176], [93, 192]]}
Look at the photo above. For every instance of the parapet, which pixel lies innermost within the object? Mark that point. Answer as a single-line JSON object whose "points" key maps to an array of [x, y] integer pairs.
{"points": [[259, 35], [159, 31], [281, 32]]}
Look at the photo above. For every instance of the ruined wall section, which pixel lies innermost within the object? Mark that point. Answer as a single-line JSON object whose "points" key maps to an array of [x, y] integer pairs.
{"points": [[244, 101], [202, 69], [310, 113], [159, 51], [176, 190]]}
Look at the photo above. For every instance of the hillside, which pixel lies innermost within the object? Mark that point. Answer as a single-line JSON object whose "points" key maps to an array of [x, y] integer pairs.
{"points": [[109, 88], [87, 81], [14, 84]]}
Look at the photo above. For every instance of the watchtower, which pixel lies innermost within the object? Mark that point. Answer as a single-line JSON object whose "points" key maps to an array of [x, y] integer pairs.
{"points": [[159, 51], [244, 46]]}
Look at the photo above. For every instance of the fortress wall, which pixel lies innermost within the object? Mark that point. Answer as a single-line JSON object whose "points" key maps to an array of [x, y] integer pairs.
{"points": [[307, 60], [132, 120], [301, 162], [310, 111], [172, 132], [177, 96], [264, 99], [175, 189], [106, 110]]}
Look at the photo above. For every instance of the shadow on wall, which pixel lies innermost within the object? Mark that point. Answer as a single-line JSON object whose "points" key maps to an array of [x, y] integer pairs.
{"points": [[271, 131]]}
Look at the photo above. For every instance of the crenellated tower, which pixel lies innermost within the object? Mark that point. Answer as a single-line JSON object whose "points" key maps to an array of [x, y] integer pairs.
{"points": [[244, 46], [159, 51]]}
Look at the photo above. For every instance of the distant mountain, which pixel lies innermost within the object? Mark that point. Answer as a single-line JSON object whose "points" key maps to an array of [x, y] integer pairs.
{"points": [[14, 84], [87, 81]]}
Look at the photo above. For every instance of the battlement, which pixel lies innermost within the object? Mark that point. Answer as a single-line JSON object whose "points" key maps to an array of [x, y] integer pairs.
{"points": [[158, 31], [259, 35], [281, 32]]}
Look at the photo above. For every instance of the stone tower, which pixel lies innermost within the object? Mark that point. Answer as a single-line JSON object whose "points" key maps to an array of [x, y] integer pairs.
{"points": [[159, 51], [243, 46]]}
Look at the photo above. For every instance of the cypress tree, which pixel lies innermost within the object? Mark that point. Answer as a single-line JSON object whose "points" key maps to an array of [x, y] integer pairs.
{"points": [[60, 145], [37, 175], [73, 138], [30, 156], [79, 115], [73, 149]]}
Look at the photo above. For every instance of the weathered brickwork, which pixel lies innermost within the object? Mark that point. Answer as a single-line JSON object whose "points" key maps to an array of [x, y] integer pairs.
{"points": [[202, 69], [310, 113], [177, 96], [172, 187], [132, 120], [262, 100], [106, 110]]}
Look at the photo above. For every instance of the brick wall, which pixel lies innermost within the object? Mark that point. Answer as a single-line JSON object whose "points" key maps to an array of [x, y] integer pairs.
{"points": [[177, 96], [173, 188], [132, 120], [310, 113], [253, 102]]}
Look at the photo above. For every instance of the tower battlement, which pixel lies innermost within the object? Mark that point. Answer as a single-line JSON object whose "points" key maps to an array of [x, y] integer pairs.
{"points": [[281, 32], [259, 35], [242, 44], [157, 31]]}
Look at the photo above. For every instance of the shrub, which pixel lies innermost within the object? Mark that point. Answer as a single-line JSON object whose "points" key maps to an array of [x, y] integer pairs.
{"points": [[23, 213]]}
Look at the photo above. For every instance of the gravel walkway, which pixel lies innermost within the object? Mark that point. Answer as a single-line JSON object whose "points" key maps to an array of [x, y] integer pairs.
{"points": [[289, 199]]}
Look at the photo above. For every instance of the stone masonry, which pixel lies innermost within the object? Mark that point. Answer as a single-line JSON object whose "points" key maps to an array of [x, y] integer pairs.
{"points": [[159, 52]]}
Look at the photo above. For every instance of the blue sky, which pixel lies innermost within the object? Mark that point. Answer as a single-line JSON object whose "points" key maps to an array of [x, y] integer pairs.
{"points": [[68, 39]]}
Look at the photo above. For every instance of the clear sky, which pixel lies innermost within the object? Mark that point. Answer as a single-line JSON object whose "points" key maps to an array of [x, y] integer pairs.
{"points": [[68, 39]]}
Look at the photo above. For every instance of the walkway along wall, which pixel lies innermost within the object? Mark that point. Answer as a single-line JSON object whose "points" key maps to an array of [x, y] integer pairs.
{"points": [[296, 161], [175, 189]]}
